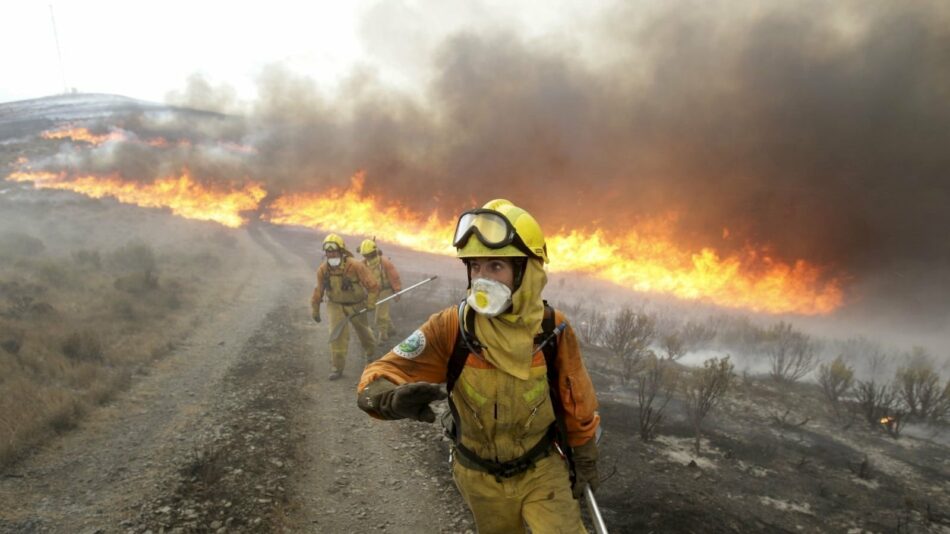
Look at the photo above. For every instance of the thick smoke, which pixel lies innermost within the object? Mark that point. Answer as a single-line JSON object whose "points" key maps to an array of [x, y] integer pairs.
{"points": [[819, 129]]}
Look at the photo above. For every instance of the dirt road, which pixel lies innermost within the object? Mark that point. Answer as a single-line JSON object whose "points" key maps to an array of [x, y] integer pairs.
{"points": [[239, 430]]}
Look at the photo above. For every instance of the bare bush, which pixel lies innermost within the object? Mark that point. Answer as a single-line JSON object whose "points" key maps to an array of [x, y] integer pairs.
{"points": [[87, 258], [656, 378], [697, 335], [836, 379], [592, 327], [588, 323], [20, 298], [738, 332], [918, 385], [704, 388], [673, 345], [83, 345], [20, 245], [628, 336], [942, 407], [139, 261], [11, 339], [791, 354], [875, 401], [869, 359]]}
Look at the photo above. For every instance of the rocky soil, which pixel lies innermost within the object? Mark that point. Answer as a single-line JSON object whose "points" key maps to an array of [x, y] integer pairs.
{"points": [[239, 430]]}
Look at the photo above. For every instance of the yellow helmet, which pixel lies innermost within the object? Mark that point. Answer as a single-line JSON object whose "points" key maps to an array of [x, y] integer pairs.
{"points": [[367, 247], [333, 242], [502, 230]]}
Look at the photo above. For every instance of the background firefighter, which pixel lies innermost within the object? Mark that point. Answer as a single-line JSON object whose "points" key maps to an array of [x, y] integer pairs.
{"points": [[388, 278], [507, 420], [349, 287]]}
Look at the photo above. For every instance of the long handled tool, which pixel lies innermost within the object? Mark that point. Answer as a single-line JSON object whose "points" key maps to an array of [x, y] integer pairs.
{"points": [[599, 526], [339, 328]]}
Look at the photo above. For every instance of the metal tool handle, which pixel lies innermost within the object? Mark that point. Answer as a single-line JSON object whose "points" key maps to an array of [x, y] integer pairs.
{"points": [[599, 526]]}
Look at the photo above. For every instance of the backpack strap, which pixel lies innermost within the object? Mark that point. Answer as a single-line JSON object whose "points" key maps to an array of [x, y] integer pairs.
{"points": [[466, 343], [549, 338]]}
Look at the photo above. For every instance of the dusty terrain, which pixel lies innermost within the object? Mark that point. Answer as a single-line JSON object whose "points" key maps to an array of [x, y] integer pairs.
{"points": [[233, 427], [239, 430]]}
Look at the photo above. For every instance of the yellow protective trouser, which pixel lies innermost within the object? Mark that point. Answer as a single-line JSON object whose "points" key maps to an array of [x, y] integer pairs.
{"points": [[338, 348], [540, 498], [384, 324]]}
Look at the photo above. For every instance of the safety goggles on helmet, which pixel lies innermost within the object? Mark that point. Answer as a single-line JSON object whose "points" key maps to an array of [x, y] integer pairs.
{"points": [[493, 229]]}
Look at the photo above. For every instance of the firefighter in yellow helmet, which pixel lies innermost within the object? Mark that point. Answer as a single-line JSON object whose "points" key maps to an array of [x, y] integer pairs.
{"points": [[349, 287], [388, 278], [522, 408]]}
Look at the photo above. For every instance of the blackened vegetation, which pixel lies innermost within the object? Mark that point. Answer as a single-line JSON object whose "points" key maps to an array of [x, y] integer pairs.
{"points": [[234, 479]]}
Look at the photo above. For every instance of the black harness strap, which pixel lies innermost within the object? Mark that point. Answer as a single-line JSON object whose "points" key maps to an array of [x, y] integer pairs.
{"points": [[466, 343]]}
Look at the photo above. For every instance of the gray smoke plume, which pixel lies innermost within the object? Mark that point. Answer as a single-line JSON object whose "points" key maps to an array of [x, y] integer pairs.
{"points": [[817, 129]]}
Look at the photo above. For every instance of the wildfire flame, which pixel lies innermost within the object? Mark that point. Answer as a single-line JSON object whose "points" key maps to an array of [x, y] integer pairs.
{"points": [[645, 258], [181, 194], [83, 135]]}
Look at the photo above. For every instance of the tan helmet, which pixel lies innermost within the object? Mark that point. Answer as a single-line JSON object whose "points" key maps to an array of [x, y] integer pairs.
{"points": [[501, 229]]}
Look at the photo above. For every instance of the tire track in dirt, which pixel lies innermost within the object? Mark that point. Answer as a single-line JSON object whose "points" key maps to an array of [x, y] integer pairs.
{"points": [[357, 474], [363, 475]]}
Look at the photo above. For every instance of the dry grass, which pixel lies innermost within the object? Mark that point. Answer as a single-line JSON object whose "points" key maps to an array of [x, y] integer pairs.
{"points": [[76, 323]]}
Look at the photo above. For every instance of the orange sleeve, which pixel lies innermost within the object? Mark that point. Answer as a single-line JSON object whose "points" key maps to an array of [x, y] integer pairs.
{"points": [[367, 279], [392, 275], [577, 390], [318, 290], [421, 357]]}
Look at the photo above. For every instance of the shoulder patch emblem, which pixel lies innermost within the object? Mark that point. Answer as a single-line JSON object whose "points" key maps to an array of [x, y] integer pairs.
{"points": [[412, 346]]}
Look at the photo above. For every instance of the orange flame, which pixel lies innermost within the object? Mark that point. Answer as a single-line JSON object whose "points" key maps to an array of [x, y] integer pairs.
{"points": [[350, 212], [644, 259], [181, 194], [83, 135]]}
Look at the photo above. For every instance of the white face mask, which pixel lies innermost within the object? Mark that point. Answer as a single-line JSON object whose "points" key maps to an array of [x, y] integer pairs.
{"points": [[488, 297], [334, 262]]}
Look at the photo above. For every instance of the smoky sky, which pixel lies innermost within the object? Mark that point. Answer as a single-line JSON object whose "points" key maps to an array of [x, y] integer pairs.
{"points": [[819, 129]]}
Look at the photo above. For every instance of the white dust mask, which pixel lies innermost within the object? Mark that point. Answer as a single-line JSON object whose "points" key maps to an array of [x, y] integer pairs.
{"points": [[334, 262], [488, 297]]}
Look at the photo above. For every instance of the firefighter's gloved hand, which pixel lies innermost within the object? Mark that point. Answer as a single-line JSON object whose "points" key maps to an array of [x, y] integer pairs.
{"points": [[316, 314], [585, 468], [370, 305], [408, 401]]}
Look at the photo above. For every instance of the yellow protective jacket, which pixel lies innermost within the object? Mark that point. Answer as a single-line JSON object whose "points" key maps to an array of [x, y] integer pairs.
{"points": [[351, 283], [502, 417], [385, 273]]}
